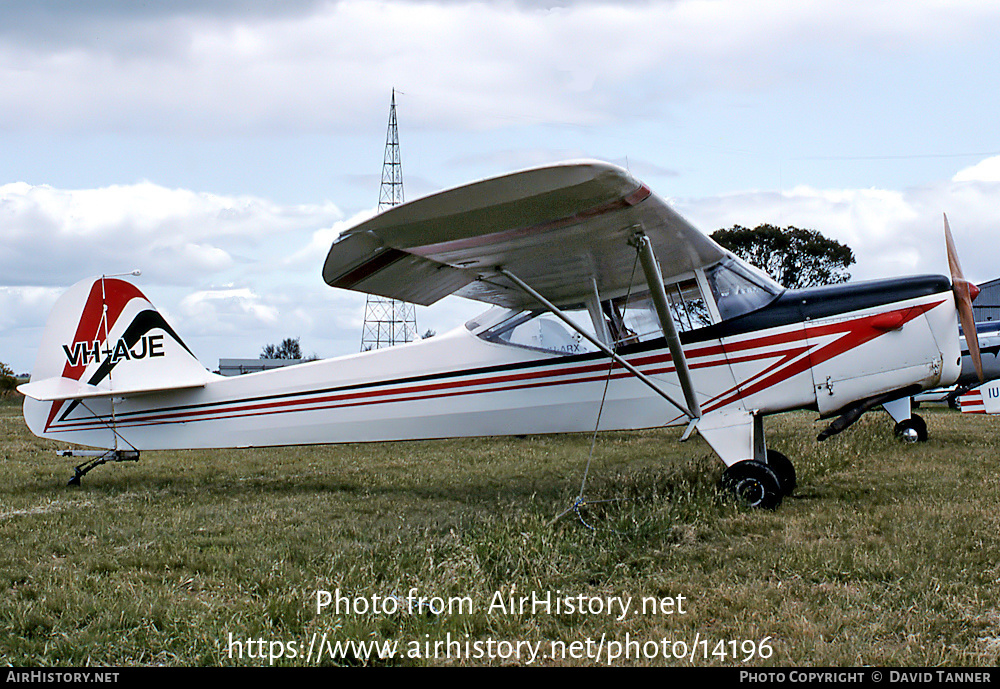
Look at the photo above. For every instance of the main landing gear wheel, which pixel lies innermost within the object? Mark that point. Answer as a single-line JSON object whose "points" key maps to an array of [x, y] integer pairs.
{"points": [[784, 469], [754, 484], [911, 430]]}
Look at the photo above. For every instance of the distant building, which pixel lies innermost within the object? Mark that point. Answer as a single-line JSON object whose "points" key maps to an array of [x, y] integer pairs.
{"points": [[237, 367], [986, 307]]}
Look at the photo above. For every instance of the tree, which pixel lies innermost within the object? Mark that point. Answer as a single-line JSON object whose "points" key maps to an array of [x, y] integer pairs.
{"points": [[794, 257], [288, 349], [7, 380]]}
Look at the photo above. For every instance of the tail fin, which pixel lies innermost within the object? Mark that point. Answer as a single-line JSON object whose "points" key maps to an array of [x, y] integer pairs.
{"points": [[105, 338]]}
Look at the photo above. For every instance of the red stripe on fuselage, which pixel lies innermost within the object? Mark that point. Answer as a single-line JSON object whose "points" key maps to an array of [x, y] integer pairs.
{"points": [[856, 332]]}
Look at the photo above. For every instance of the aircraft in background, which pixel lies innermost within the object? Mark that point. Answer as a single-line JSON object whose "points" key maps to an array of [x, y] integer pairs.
{"points": [[982, 400], [609, 312], [985, 399], [911, 427]]}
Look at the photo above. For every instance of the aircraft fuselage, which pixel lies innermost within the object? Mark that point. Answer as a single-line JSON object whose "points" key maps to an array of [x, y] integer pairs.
{"points": [[821, 349]]}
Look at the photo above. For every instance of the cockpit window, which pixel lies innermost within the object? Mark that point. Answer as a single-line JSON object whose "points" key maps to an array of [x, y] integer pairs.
{"points": [[636, 319], [736, 287], [687, 305], [543, 331], [739, 289]]}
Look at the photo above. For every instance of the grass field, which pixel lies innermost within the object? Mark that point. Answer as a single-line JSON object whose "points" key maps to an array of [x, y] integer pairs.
{"points": [[887, 554]]}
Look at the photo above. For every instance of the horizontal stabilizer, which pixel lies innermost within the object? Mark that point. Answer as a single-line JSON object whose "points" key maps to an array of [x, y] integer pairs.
{"points": [[53, 389]]}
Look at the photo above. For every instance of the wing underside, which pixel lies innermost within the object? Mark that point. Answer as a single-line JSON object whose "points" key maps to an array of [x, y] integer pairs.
{"points": [[562, 228]]}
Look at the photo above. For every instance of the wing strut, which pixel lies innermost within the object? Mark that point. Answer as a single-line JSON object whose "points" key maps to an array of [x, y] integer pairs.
{"points": [[655, 281], [525, 287]]}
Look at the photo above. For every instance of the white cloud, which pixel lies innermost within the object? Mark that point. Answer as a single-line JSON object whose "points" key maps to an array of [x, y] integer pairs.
{"points": [[225, 309], [23, 311], [314, 253], [985, 171], [56, 236], [892, 233], [25, 307], [464, 64]]}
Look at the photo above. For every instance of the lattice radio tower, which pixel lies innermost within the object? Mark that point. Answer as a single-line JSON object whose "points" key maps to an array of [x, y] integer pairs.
{"points": [[389, 322]]}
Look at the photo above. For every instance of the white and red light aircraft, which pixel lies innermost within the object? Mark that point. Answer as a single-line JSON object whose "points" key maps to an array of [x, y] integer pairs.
{"points": [[609, 311]]}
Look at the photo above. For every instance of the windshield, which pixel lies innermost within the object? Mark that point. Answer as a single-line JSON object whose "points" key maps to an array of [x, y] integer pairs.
{"points": [[739, 288]]}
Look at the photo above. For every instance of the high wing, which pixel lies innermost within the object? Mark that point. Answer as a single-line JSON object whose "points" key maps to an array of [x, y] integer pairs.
{"points": [[563, 228]]}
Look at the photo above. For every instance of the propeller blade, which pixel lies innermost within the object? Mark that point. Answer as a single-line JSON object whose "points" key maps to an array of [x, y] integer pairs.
{"points": [[965, 292]]}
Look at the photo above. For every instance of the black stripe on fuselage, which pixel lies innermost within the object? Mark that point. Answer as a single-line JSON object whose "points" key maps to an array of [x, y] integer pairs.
{"points": [[814, 303]]}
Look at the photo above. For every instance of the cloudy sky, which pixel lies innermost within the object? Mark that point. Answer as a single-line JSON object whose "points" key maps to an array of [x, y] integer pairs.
{"points": [[220, 145]]}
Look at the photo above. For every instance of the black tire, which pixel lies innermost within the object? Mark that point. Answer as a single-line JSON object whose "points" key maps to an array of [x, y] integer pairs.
{"points": [[784, 469], [753, 484], [911, 430]]}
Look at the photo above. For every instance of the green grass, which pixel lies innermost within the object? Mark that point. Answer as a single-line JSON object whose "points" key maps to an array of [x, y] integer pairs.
{"points": [[887, 554]]}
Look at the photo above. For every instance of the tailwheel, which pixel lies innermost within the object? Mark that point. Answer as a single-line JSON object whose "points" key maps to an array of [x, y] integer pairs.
{"points": [[911, 430], [784, 469], [754, 484], [97, 458]]}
